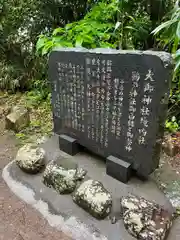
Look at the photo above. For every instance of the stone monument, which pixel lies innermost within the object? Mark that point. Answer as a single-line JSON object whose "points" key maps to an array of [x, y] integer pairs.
{"points": [[113, 103]]}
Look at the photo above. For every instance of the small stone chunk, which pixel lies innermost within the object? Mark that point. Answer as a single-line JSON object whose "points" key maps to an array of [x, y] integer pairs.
{"points": [[94, 198], [80, 173], [63, 180], [18, 118], [171, 145], [4, 110], [144, 219], [30, 158], [1, 111]]}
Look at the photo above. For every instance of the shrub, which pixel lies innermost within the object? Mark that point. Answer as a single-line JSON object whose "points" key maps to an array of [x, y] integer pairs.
{"points": [[114, 24], [168, 35], [21, 22]]}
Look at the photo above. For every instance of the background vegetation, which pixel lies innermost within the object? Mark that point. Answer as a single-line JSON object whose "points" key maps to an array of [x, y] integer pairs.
{"points": [[120, 24]]}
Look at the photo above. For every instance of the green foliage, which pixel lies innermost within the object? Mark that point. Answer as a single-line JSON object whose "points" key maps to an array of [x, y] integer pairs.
{"points": [[126, 25], [123, 24], [177, 59], [91, 32], [10, 76], [172, 125], [113, 24], [40, 92], [168, 35], [21, 22], [21, 136]]}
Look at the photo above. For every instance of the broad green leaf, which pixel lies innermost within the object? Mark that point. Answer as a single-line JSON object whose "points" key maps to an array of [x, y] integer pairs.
{"points": [[88, 39], [162, 26], [106, 45], [177, 66], [70, 25], [79, 41], [175, 45], [178, 31], [68, 44], [47, 48], [177, 55], [131, 28], [58, 30], [41, 42], [133, 19], [56, 39]]}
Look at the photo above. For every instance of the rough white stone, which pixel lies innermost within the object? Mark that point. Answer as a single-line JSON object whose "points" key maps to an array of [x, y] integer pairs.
{"points": [[18, 118], [93, 197], [144, 219], [61, 179], [71, 226], [30, 158]]}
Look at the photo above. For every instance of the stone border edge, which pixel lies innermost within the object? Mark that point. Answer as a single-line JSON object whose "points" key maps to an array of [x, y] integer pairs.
{"points": [[72, 227]]}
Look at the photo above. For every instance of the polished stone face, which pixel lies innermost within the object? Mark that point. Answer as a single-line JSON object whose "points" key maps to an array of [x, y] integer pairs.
{"points": [[112, 102]]}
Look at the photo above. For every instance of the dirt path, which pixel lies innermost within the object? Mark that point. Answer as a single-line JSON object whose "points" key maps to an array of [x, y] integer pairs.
{"points": [[18, 221]]}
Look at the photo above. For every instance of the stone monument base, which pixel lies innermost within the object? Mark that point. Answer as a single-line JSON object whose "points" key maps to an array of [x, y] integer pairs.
{"points": [[60, 210], [68, 144], [115, 167], [118, 169]]}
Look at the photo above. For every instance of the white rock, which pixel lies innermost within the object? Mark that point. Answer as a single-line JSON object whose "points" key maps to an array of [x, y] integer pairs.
{"points": [[93, 197], [18, 118], [30, 158], [145, 219], [61, 179]]}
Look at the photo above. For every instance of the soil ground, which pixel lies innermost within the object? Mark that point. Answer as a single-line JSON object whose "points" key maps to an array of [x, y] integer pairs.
{"points": [[18, 221]]}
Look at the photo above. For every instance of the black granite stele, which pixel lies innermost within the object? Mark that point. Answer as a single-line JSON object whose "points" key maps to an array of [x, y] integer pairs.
{"points": [[112, 102]]}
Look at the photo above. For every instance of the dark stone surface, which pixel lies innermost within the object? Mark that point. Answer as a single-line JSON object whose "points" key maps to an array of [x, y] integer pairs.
{"points": [[118, 169], [112, 102], [68, 144]]}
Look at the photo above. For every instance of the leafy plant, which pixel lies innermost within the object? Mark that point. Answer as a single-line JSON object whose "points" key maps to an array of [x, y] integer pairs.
{"points": [[177, 57], [109, 24], [38, 94], [93, 31], [21, 22], [172, 125], [123, 24], [168, 35]]}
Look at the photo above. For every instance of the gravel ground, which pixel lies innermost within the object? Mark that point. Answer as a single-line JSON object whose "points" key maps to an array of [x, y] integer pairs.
{"points": [[18, 221]]}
